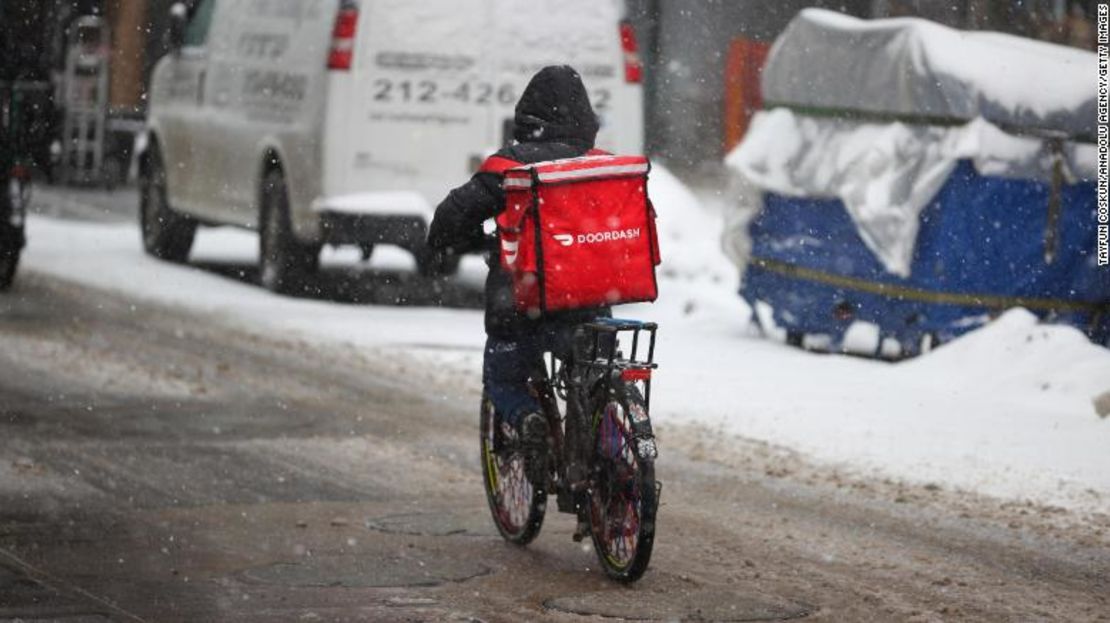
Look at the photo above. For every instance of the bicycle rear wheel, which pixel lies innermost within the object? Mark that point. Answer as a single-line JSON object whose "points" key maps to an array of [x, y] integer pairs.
{"points": [[623, 494], [517, 507]]}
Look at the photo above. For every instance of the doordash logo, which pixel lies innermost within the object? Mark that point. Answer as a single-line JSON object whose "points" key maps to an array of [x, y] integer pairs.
{"points": [[567, 240]]}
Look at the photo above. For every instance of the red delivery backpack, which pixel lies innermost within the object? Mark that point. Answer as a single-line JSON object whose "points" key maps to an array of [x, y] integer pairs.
{"points": [[579, 233]]}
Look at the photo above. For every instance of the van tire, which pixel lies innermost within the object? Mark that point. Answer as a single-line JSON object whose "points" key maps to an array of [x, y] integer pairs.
{"points": [[167, 235], [286, 266]]}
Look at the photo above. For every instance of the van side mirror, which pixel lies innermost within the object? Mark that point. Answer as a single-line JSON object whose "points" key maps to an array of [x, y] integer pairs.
{"points": [[179, 18]]}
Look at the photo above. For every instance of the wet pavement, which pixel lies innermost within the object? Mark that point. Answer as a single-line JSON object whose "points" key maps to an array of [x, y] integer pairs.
{"points": [[158, 466]]}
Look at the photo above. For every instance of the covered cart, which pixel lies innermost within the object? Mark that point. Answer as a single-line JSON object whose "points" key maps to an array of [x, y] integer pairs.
{"points": [[916, 180]]}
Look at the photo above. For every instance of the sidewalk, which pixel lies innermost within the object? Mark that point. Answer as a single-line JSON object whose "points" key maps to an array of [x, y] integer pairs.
{"points": [[86, 204]]}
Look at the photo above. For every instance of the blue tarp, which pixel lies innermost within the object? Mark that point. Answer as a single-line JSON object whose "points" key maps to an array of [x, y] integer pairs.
{"points": [[981, 248]]}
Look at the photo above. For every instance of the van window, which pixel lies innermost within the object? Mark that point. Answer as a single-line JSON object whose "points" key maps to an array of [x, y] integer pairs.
{"points": [[197, 31]]}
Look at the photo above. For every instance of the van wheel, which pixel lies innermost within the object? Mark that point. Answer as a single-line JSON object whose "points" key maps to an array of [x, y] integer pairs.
{"points": [[285, 264], [167, 235]]}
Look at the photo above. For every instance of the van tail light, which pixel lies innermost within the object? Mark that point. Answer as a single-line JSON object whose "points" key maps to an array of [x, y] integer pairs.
{"points": [[343, 36], [20, 172], [633, 66]]}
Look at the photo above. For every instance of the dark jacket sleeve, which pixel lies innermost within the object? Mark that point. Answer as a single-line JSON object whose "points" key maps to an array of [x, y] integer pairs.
{"points": [[457, 224]]}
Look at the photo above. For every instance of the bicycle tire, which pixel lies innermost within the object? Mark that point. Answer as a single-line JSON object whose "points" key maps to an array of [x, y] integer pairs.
{"points": [[622, 481], [516, 506]]}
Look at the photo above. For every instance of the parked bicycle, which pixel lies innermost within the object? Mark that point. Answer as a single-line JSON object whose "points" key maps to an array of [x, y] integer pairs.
{"points": [[601, 449]]}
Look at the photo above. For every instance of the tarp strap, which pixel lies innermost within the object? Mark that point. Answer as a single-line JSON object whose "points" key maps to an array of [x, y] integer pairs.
{"points": [[1055, 205], [926, 296]]}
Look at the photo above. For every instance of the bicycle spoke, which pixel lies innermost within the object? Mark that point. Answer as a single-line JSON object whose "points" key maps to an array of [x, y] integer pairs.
{"points": [[616, 503], [514, 502]]}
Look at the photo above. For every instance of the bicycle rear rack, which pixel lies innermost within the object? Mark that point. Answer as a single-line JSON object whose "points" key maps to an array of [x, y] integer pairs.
{"points": [[597, 347]]}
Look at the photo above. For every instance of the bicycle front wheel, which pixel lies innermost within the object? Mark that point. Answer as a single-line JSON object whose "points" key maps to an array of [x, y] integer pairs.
{"points": [[517, 507], [623, 494]]}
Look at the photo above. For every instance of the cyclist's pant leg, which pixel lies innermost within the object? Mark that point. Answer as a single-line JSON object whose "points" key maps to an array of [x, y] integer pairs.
{"points": [[558, 337], [505, 372]]}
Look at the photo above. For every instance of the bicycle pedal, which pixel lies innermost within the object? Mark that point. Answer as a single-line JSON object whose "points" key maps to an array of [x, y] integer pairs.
{"points": [[565, 501]]}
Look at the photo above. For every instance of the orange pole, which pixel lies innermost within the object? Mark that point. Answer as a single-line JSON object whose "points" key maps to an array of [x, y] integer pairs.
{"points": [[128, 23], [734, 95], [743, 95]]}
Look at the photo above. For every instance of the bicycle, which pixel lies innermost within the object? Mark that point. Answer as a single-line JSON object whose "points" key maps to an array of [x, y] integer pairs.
{"points": [[601, 453]]}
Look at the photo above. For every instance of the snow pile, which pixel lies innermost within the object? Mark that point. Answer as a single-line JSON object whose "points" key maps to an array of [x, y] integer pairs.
{"points": [[1007, 410], [1017, 353], [689, 232]]}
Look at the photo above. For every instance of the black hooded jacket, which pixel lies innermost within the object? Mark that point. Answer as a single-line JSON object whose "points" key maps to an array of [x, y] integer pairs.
{"points": [[553, 120]]}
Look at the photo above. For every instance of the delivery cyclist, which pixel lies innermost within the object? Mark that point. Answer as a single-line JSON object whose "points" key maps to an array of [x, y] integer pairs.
{"points": [[553, 120]]}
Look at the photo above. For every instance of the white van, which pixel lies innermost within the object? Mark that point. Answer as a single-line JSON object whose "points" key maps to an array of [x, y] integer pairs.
{"points": [[342, 122]]}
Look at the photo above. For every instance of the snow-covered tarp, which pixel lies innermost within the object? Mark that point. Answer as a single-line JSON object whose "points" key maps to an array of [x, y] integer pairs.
{"points": [[886, 168], [914, 67]]}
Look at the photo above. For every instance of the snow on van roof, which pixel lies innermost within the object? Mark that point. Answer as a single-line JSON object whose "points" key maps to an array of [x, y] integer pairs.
{"points": [[917, 68]]}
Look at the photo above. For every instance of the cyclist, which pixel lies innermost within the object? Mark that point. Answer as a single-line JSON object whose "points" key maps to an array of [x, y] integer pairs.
{"points": [[553, 120]]}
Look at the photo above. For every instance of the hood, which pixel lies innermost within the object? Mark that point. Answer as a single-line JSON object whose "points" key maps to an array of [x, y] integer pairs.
{"points": [[555, 106]]}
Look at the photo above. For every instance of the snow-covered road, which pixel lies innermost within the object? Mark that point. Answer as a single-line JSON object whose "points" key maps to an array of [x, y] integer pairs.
{"points": [[164, 465], [1006, 411]]}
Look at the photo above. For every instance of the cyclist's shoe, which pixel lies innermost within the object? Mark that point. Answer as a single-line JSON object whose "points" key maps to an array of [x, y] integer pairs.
{"points": [[581, 531], [533, 435]]}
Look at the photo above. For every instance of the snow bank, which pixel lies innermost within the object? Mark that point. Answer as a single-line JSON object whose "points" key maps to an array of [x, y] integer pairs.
{"points": [[1007, 410], [1017, 353], [689, 232], [110, 257]]}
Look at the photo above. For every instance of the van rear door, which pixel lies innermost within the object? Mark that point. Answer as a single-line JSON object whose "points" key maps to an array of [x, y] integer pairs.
{"points": [[585, 34], [433, 85], [420, 108]]}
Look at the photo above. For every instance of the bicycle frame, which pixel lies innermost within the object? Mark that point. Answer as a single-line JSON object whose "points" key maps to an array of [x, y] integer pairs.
{"points": [[597, 366], [601, 453]]}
